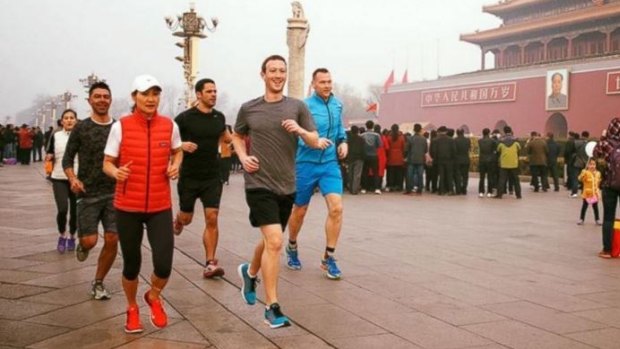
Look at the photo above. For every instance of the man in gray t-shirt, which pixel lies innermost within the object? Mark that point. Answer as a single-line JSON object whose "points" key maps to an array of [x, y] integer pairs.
{"points": [[271, 144], [272, 123]]}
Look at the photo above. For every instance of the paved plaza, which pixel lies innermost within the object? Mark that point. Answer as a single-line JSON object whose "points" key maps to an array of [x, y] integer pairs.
{"points": [[418, 272]]}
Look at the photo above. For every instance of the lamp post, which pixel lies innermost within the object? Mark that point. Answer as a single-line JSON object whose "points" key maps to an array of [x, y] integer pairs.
{"points": [[90, 81], [52, 104], [66, 98], [192, 27]]}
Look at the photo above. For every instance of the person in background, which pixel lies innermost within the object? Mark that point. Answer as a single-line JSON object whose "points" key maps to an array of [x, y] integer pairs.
{"points": [[590, 194], [609, 140], [355, 159], [552, 161], [395, 159], [63, 196]]}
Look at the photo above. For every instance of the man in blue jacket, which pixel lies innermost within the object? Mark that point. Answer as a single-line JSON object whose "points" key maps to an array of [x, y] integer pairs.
{"points": [[320, 168]]}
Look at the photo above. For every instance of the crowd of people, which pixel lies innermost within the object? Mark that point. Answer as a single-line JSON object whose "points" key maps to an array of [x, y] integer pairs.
{"points": [[22, 144], [118, 173]]}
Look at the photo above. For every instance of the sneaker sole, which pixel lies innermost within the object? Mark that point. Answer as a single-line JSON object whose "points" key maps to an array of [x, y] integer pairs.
{"points": [[217, 273], [139, 330], [293, 267], [284, 324], [101, 298], [330, 276], [240, 272]]}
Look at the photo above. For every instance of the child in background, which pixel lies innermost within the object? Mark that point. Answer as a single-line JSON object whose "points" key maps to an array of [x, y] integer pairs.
{"points": [[591, 179]]}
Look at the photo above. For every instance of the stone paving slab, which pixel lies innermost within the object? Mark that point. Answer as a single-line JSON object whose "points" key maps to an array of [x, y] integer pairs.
{"points": [[419, 272]]}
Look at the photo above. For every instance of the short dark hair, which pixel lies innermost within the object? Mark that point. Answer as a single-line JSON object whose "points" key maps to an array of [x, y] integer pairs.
{"points": [[585, 134], [355, 130], [417, 128], [98, 84], [263, 67], [486, 131], [369, 124], [319, 70], [460, 132], [201, 84], [507, 130], [557, 74]]}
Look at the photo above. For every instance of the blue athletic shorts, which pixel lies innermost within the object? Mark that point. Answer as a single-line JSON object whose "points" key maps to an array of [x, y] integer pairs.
{"points": [[326, 176]]}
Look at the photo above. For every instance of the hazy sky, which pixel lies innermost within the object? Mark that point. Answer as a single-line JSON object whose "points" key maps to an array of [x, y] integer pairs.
{"points": [[47, 46]]}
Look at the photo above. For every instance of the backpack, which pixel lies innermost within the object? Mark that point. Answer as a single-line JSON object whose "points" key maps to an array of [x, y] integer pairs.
{"points": [[580, 158], [613, 168]]}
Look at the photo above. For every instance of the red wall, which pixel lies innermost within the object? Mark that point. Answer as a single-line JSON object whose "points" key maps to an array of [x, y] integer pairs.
{"points": [[590, 108]]}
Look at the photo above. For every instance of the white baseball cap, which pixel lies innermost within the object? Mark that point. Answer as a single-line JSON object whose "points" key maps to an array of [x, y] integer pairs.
{"points": [[144, 82]]}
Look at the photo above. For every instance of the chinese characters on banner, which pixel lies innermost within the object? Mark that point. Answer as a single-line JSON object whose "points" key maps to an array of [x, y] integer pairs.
{"points": [[491, 93]]}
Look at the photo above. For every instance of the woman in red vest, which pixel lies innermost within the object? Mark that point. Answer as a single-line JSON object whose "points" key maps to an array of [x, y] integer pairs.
{"points": [[143, 153]]}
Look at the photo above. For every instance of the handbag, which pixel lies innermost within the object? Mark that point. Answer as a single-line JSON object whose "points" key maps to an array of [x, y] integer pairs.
{"points": [[48, 166]]}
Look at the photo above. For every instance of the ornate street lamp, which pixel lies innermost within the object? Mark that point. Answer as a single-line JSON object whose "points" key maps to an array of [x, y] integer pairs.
{"points": [[90, 81], [192, 27], [66, 98]]}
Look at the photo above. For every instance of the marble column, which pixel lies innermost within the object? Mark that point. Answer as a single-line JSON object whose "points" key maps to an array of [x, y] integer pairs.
{"points": [[296, 36]]}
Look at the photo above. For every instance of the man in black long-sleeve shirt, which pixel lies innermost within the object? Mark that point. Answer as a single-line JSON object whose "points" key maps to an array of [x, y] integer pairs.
{"points": [[95, 190], [443, 150]]}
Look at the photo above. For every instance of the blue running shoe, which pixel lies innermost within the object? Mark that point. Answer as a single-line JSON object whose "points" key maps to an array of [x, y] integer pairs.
{"points": [[274, 317], [292, 257], [248, 284], [329, 265]]}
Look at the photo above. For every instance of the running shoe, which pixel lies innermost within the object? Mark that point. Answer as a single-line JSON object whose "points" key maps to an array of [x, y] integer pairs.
{"points": [[81, 253], [330, 267], [248, 284], [292, 257], [99, 292], [274, 317], [213, 270], [62, 245], [159, 318], [71, 244], [133, 324]]}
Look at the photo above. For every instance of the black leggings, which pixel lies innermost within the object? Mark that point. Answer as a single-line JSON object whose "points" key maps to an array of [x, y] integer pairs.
{"points": [[159, 232], [65, 201], [584, 207]]}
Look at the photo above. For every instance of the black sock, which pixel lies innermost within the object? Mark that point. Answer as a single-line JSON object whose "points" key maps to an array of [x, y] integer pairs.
{"points": [[292, 244], [329, 251]]}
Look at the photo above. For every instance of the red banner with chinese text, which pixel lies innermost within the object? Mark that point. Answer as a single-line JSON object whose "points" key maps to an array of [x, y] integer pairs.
{"points": [[490, 93]]}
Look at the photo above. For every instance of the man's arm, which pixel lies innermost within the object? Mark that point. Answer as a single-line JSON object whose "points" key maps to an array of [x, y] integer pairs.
{"points": [[71, 150], [249, 162]]}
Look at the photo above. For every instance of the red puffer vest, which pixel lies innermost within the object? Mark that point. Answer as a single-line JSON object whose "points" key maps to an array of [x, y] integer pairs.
{"points": [[147, 144]]}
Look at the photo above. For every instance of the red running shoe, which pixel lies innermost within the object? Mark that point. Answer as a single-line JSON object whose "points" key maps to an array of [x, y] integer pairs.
{"points": [[159, 318], [133, 324]]}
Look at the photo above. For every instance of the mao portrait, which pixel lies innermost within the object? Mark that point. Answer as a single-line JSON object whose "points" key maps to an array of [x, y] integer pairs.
{"points": [[557, 90]]}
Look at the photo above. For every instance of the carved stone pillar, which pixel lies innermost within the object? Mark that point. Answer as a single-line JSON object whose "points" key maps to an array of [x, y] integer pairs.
{"points": [[296, 36]]}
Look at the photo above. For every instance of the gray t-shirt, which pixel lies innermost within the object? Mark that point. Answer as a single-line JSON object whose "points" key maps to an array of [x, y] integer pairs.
{"points": [[274, 147]]}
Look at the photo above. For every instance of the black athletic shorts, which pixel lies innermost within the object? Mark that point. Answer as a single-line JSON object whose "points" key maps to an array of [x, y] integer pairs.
{"points": [[92, 210], [267, 207], [208, 190]]}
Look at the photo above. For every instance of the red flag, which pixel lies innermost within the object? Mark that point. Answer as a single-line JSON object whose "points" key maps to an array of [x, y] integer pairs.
{"points": [[389, 82], [373, 107], [405, 77]]}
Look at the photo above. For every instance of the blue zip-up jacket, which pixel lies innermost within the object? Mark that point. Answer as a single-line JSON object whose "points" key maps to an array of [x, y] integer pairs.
{"points": [[328, 120]]}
